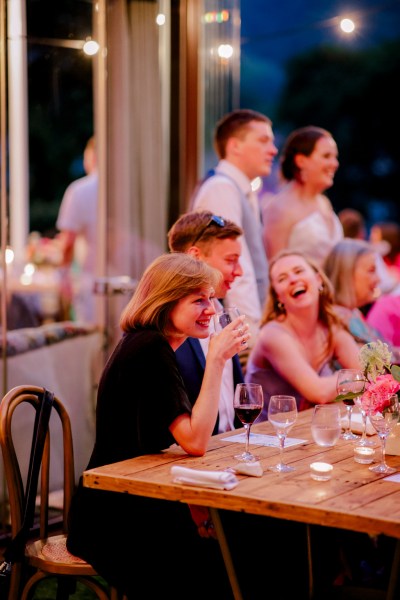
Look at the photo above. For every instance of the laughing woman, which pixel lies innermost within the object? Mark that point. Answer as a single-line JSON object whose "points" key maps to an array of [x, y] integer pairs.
{"points": [[143, 408], [300, 336]]}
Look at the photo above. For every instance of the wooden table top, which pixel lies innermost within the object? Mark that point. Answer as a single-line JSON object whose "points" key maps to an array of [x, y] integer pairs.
{"points": [[354, 498]]}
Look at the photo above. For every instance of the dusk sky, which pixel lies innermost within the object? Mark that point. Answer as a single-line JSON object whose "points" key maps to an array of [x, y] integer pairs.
{"points": [[272, 33]]}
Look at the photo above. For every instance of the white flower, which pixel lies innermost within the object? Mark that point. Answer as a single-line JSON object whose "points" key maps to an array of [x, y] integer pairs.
{"points": [[375, 359]]}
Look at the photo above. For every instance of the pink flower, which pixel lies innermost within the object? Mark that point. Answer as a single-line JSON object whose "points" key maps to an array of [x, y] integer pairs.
{"points": [[376, 396]]}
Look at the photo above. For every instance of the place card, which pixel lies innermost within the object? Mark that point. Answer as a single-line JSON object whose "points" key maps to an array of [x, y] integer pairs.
{"points": [[395, 478], [264, 440]]}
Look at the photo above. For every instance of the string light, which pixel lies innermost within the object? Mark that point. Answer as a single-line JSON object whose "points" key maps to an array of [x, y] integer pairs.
{"points": [[216, 16], [90, 47]]}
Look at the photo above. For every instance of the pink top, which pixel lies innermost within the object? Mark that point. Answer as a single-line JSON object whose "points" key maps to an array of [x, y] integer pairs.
{"points": [[384, 316]]}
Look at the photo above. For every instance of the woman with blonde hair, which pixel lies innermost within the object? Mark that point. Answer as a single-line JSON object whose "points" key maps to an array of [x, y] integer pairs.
{"points": [[352, 269], [143, 408], [301, 336]]}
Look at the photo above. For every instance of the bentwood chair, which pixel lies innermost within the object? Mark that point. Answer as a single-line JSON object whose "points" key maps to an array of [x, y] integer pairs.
{"points": [[46, 556]]}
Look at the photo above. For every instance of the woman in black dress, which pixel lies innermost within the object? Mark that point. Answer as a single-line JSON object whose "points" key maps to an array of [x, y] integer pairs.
{"points": [[142, 408]]}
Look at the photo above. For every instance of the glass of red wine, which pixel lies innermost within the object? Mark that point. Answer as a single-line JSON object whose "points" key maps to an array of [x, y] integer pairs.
{"points": [[349, 380], [248, 403]]}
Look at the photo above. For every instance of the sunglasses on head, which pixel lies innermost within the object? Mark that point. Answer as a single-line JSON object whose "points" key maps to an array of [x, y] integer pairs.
{"points": [[214, 219]]}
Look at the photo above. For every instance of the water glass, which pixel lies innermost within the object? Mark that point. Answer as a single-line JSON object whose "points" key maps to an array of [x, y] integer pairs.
{"points": [[325, 424]]}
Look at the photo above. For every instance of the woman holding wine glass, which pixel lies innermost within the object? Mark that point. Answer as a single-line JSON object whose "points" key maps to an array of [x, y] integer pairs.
{"points": [[301, 339], [142, 408]]}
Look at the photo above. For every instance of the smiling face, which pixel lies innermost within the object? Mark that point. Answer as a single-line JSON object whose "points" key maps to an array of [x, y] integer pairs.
{"points": [[191, 317], [366, 279], [320, 167], [223, 254], [253, 149], [295, 282]]}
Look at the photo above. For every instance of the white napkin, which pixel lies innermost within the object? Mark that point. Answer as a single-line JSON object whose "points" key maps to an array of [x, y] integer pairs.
{"points": [[220, 480], [249, 468], [357, 424]]}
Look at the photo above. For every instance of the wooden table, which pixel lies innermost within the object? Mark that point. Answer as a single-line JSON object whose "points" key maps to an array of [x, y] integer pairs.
{"points": [[355, 498]]}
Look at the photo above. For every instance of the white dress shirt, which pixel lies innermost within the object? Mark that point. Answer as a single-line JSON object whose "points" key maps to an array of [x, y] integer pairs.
{"points": [[221, 196]]}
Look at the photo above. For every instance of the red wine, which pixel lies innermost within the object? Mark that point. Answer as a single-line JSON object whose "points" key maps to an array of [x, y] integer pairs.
{"points": [[247, 413]]}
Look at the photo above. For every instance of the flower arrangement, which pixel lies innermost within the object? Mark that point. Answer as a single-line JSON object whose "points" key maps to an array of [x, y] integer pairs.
{"points": [[382, 378]]}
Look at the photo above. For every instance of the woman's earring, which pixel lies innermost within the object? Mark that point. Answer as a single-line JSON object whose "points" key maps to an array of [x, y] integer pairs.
{"points": [[321, 289], [280, 306]]}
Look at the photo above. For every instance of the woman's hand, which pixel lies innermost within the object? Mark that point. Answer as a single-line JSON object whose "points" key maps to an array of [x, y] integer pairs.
{"points": [[231, 340]]}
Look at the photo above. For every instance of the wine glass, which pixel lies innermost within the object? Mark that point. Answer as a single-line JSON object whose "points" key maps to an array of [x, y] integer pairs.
{"points": [[384, 418], [363, 441], [350, 380], [223, 317], [282, 414], [325, 424], [248, 403]]}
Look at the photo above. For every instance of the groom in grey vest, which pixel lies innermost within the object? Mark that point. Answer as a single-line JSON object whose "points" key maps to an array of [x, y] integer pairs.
{"points": [[244, 143]]}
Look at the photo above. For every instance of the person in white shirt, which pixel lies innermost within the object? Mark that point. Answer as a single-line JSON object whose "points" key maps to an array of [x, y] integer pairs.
{"points": [[244, 143], [77, 220]]}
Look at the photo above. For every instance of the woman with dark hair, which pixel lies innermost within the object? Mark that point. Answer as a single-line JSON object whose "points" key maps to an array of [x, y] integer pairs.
{"points": [[143, 408], [301, 336], [300, 216]]}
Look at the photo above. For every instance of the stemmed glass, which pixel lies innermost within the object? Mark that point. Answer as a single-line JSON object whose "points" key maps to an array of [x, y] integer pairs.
{"points": [[363, 441], [384, 418], [282, 414], [248, 403], [350, 380]]}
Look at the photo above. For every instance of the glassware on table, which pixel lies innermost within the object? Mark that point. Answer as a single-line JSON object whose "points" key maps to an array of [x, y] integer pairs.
{"points": [[282, 414], [363, 441], [325, 424], [350, 380], [383, 421], [248, 403]]}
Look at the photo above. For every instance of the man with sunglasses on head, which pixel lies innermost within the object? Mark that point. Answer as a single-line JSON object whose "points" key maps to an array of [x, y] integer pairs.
{"points": [[215, 241], [244, 143]]}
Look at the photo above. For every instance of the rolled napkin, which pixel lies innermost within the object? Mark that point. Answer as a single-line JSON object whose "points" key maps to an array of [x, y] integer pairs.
{"points": [[219, 480], [357, 424], [249, 468]]}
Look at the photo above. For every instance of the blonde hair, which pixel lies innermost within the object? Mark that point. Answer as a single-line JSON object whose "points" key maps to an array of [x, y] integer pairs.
{"points": [[326, 315], [340, 265], [168, 279]]}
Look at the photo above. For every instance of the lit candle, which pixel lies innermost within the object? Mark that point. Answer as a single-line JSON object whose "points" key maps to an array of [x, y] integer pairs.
{"points": [[321, 471], [364, 455]]}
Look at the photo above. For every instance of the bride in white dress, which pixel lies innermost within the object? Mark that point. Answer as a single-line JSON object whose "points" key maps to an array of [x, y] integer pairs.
{"points": [[300, 217]]}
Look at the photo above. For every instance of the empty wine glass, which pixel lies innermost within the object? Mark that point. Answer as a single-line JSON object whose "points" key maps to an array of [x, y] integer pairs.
{"points": [[384, 418], [248, 403], [350, 380], [361, 404], [282, 414]]}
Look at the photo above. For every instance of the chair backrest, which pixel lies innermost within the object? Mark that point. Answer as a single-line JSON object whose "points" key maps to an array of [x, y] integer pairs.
{"points": [[17, 496]]}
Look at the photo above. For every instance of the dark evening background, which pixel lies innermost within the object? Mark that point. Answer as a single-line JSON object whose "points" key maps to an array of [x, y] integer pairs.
{"points": [[296, 66]]}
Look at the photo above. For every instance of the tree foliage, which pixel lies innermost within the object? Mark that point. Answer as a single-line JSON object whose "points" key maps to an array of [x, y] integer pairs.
{"points": [[351, 94]]}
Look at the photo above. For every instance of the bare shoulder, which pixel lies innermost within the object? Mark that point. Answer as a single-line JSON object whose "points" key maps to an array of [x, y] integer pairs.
{"points": [[325, 204], [272, 334]]}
